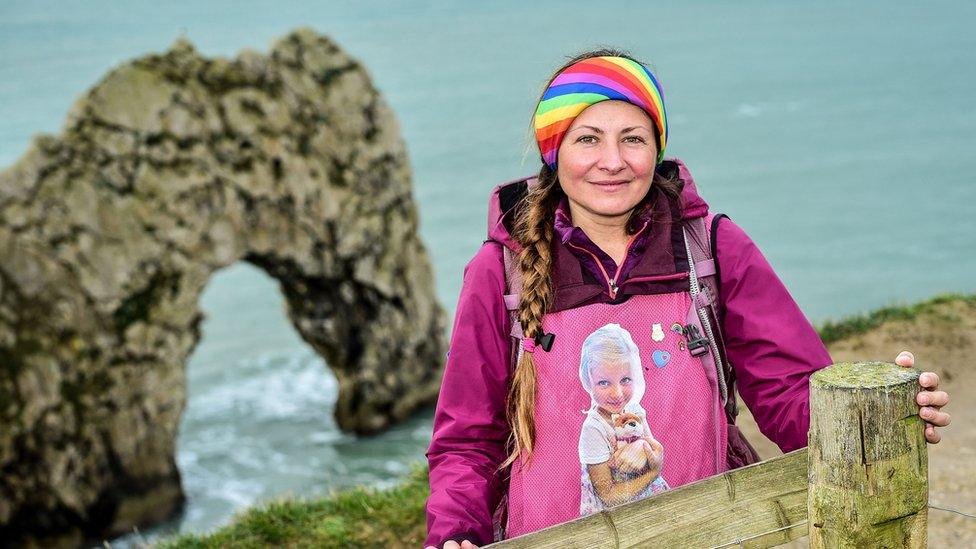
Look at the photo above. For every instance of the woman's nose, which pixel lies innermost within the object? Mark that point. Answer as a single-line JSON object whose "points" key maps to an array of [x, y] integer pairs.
{"points": [[610, 158], [618, 391]]}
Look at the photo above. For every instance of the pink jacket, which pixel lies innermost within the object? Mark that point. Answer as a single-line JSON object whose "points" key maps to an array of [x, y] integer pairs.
{"points": [[770, 344]]}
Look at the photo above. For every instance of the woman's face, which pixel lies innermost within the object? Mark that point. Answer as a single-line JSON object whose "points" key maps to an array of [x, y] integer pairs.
{"points": [[606, 161], [612, 386]]}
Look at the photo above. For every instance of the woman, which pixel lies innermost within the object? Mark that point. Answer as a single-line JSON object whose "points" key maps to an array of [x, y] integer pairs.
{"points": [[602, 237]]}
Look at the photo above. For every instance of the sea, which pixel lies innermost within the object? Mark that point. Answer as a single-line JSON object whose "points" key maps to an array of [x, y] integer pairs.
{"points": [[840, 135]]}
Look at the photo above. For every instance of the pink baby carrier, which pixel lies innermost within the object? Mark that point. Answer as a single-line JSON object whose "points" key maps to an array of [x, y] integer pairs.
{"points": [[682, 389]]}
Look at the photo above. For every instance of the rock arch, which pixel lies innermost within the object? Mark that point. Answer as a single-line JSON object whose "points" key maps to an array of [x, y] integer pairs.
{"points": [[168, 169]]}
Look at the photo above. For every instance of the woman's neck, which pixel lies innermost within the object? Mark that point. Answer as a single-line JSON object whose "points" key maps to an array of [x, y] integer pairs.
{"points": [[609, 234]]}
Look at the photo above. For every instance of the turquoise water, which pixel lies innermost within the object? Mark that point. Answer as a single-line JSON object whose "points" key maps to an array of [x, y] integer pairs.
{"points": [[839, 135]]}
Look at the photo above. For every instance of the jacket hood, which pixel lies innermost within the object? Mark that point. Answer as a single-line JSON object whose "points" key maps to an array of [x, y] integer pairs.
{"points": [[501, 205]]}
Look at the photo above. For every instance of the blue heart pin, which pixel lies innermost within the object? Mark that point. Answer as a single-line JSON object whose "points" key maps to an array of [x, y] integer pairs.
{"points": [[661, 358]]}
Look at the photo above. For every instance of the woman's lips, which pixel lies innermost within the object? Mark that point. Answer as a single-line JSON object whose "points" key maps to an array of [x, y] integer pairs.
{"points": [[611, 184]]}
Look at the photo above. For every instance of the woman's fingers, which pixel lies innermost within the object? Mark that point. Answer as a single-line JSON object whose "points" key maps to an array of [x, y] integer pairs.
{"points": [[929, 380], [451, 544], [468, 545], [931, 400], [936, 399], [934, 416], [905, 358]]}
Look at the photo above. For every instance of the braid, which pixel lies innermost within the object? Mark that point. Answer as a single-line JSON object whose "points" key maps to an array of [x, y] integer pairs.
{"points": [[534, 232]]}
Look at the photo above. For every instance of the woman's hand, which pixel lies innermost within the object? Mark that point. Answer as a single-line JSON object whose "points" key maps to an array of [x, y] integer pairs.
{"points": [[451, 544], [930, 399]]}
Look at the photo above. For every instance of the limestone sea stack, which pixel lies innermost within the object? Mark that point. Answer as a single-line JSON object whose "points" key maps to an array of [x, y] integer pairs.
{"points": [[171, 167]]}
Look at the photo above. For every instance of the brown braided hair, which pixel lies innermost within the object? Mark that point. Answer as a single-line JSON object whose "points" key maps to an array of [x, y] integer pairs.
{"points": [[535, 217]]}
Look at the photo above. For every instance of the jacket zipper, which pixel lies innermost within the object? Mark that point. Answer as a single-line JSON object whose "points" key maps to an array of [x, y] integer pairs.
{"points": [[612, 287]]}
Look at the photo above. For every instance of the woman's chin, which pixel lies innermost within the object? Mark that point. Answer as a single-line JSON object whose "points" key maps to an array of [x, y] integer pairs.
{"points": [[613, 209]]}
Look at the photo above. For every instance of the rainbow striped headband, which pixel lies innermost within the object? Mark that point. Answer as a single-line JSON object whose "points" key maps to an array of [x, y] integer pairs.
{"points": [[588, 82]]}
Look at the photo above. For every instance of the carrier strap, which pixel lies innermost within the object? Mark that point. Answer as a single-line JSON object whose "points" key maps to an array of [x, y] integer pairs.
{"points": [[705, 268], [700, 237]]}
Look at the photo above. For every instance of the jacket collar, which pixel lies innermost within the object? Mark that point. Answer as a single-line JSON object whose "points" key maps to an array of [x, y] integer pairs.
{"points": [[591, 256]]}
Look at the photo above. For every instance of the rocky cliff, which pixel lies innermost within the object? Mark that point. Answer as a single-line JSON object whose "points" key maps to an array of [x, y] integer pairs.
{"points": [[170, 168]]}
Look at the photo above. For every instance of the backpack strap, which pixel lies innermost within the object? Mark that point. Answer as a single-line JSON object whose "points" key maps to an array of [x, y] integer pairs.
{"points": [[513, 293], [712, 228], [513, 289], [713, 282], [705, 313]]}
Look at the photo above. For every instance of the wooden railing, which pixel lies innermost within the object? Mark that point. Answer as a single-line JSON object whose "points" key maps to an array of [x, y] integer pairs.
{"points": [[862, 482]]}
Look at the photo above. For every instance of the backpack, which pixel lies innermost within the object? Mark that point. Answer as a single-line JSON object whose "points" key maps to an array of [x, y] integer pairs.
{"points": [[703, 324]]}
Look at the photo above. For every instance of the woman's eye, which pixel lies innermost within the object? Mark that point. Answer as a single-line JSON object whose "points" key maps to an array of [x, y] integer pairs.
{"points": [[603, 383], [635, 139], [586, 139], [625, 381]]}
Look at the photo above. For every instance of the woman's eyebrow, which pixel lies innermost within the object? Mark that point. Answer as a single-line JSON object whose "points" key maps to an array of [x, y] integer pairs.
{"points": [[592, 128], [595, 129]]}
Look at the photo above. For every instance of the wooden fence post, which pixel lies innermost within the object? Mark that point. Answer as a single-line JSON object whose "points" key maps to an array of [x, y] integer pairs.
{"points": [[868, 464]]}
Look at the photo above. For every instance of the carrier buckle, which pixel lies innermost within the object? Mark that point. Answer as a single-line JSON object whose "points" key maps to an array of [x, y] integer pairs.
{"points": [[545, 340], [697, 344]]}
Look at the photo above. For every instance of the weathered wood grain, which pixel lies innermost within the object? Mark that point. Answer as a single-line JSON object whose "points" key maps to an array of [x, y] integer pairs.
{"points": [[763, 505]]}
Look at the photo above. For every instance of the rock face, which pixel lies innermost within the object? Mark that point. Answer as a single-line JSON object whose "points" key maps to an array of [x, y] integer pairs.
{"points": [[168, 169]]}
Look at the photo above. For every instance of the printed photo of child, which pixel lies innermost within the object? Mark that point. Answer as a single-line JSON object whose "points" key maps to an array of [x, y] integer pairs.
{"points": [[619, 457]]}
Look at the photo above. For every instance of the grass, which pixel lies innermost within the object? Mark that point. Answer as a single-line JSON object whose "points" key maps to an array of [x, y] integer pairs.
{"points": [[355, 518], [395, 517], [831, 332]]}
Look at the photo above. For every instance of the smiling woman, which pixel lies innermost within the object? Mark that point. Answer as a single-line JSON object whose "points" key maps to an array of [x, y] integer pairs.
{"points": [[610, 259]]}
